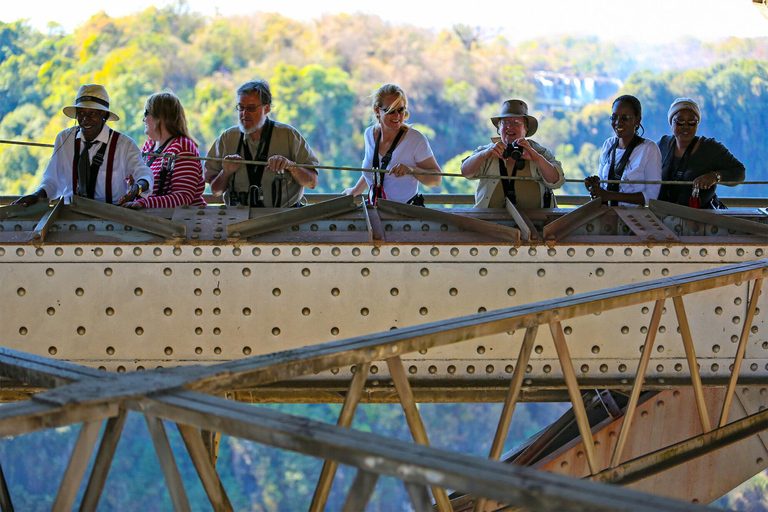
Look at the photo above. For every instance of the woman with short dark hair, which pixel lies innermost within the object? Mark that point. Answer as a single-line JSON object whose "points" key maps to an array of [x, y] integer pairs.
{"points": [[688, 157], [627, 157]]}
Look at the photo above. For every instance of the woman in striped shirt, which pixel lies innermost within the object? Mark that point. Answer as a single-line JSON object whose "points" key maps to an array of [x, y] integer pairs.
{"points": [[178, 181]]}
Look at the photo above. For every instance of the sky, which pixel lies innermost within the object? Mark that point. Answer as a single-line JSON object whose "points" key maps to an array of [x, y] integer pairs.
{"points": [[649, 21]]}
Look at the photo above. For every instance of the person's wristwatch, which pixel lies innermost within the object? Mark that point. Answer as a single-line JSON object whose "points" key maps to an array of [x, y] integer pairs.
{"points": [[138, 185], [718, 177]]}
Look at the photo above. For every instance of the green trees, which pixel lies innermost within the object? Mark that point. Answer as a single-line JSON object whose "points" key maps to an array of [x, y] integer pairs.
{"points": [[323, 72]]}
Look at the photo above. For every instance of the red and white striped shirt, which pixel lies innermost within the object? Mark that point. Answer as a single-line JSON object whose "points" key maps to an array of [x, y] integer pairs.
{"points": [[184, 184]]}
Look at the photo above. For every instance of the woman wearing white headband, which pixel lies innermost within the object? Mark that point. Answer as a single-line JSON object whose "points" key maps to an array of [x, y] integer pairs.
{"points": [[688, 157]]}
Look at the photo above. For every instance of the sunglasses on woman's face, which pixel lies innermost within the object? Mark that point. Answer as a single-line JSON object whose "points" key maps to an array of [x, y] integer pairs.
{"points": [[692, 122], [392, 112], [622, 117]]}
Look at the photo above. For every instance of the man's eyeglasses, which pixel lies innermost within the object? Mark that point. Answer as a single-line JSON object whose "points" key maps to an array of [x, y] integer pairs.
{"points": [[512, 121], [394, 111], [622, 117], [692, 122], [247, 108]]}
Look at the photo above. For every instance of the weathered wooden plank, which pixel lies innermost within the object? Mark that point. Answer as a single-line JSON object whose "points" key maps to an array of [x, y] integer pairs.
{"points": [[205, 470], [113, 386], [707, 217], [31, 416], [419, 495], [527, 230], [579, 411], [565, 225], [515, 385], [642, 367], [290, 217], [693, 364], [428, 214], [347, 414], [413, 417], [168, 464], [17, 210], [524, 487], [360, 492], [375, 226], [313, 359], [6, 505], [42, 227], [128, 217], [739, 358], [78, 463], [103, 462], [39, 371]]}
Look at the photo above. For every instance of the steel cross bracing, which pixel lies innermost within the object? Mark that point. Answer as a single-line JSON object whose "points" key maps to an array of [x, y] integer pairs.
{"points": [[87, 396]]}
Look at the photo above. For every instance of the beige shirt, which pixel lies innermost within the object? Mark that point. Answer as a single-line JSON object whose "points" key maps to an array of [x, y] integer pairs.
{"points": [[286, 141], [530, 194]]}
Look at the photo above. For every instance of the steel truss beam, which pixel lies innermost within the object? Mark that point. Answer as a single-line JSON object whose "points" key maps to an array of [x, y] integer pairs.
{"points": [[90, 396]]}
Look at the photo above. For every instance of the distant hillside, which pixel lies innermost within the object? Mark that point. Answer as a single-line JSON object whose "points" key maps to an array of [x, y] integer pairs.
{"points": [[323, 72]]}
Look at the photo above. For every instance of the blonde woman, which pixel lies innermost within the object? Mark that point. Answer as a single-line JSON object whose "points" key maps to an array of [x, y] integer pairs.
{"points": [[177, 182], [392, 145]]}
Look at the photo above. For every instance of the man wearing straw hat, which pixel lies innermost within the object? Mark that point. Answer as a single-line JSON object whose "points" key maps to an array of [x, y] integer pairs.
{"points": [[514, 155], [92, 160], [279, 182]]}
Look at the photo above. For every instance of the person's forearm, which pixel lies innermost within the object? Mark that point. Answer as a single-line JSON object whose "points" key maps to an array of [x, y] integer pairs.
{"points": [[471, 166], [547, 170], [220, 183], [307, 178], [430, 180], [625, 197]]}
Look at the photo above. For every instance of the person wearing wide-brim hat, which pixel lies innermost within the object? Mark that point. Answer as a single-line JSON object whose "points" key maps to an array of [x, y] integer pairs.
{"points": [[513, 155], [92, 160]]}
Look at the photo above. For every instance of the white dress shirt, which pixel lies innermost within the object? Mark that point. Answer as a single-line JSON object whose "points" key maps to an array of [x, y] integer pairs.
{"points": [[57, 179]]}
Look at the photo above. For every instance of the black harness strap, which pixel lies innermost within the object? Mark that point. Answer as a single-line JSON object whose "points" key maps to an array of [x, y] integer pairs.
{"points": [[165, 168], [671, 172], [256, 172], [377, 190], [93, 172], [617, 170]]}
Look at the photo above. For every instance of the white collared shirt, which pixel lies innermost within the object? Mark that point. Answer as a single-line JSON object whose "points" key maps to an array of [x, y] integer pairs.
{"points": [[644, 165], [57, 179]]}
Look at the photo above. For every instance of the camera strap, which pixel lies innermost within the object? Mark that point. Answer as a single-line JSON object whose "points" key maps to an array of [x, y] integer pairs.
{"points": [[256, 172], [617, 170], [377, 190], [508, 185]]}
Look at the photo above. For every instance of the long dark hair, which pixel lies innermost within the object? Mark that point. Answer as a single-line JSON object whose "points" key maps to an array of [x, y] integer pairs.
{"points": [[636, 107]]}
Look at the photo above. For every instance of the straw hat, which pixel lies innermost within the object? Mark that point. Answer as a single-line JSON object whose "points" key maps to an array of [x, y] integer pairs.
{"points": [[91, 96]]}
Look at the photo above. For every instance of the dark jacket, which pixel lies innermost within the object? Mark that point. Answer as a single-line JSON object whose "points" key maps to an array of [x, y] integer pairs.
{"points": [[709, 156]]}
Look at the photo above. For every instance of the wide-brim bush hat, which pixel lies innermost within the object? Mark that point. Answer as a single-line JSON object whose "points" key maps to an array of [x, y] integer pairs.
{"points": [[516, 108], [91, 96]]}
